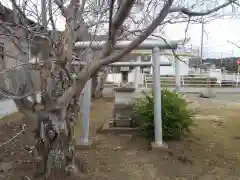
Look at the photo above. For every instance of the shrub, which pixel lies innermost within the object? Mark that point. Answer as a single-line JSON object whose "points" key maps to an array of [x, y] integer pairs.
{"points": [[177, 117]]}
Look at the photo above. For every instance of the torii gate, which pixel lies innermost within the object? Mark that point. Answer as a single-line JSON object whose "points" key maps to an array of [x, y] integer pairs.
{"points": [[155, 46]]}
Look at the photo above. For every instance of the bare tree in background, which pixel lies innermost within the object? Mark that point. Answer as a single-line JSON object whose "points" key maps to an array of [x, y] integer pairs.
{"points": [[54, 124]]}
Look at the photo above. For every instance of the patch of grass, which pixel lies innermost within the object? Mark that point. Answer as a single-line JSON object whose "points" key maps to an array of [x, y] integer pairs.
{"points": [[217, 127], [12, 117]]}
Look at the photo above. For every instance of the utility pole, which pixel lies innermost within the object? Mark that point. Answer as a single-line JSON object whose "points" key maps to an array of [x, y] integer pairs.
{"points": [[201, 47], [221, 59]]}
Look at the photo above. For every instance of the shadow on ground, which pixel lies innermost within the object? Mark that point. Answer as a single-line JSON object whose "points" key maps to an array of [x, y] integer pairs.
{"points": [[211, 152]]}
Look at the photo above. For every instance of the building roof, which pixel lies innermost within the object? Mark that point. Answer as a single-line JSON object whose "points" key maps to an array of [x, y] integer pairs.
{"points": [[8, 15], [36, 40]]}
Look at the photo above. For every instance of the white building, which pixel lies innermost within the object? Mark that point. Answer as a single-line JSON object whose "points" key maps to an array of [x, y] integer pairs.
{"points": [[167, 56], [170, 70]]}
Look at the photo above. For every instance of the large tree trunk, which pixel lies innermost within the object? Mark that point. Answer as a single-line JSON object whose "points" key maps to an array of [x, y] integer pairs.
{"points": [[60, 114]]}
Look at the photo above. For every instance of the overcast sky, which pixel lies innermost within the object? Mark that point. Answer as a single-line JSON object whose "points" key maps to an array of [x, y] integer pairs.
{"points": [[216, 35], [218, 32]]}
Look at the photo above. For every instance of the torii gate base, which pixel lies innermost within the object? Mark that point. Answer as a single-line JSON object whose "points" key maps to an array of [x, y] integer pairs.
{"points": [[147, 44]]}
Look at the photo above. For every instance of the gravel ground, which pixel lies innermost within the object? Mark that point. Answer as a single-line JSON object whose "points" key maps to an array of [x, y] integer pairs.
{"points": [[211, 152]]}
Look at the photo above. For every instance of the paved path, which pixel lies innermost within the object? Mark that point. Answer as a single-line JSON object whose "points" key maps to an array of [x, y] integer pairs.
{"points": [[8, 106]]}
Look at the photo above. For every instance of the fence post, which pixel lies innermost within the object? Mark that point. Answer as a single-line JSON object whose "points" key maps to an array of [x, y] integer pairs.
{"points": [[86, 112], [238, 76], [177, 73], [157, 96], [182, 79]]}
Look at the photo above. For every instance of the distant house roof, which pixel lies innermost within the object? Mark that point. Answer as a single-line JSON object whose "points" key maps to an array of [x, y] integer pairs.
{"points": [[8, 15]]}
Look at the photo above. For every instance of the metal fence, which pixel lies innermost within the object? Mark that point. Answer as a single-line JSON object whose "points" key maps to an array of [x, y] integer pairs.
{"points": [[197, 81]]}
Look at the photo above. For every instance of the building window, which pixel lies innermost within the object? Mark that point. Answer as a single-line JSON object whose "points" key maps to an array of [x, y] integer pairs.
{"points": [[1, 47], [1, 51], [1, 17], [2, 63]]}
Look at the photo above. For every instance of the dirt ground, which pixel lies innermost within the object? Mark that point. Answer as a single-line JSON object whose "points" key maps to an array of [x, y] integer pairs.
{"points": [[211, 152]]}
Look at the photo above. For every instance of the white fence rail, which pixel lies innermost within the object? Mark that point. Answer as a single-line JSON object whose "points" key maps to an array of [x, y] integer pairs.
{"points": [[197, 80], [228, 83]]}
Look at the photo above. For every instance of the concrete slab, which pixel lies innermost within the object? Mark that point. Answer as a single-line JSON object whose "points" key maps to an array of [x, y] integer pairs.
{"points": [[107, 127], [123, 122], [109, 99], [81, 145], [163, 147]]}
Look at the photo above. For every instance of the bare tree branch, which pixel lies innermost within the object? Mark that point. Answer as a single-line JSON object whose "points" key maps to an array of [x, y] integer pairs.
{"points": [[194, 13], [61, 6], [51, 19], [116, 56], [79, 17], [234, 44], [122, 13]]}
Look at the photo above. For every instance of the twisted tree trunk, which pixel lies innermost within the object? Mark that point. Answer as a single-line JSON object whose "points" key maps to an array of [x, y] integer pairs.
{"points": [[55, 124]]}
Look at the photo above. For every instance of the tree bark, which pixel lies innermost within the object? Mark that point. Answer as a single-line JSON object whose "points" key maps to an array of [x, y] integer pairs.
{"points": [[60, 112]]}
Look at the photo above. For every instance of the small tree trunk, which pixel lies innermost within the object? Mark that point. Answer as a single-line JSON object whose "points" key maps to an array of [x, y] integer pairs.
{"points": [[101, 81], [94, 84]]}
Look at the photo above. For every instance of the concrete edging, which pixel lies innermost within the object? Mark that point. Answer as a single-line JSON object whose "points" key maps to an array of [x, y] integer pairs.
{"points": [[107, 129]]}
